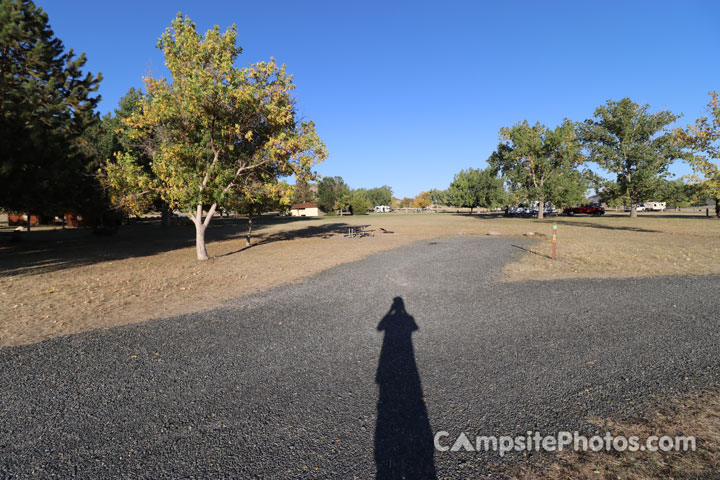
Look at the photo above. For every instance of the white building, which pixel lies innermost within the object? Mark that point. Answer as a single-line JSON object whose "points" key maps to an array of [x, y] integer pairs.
{"points": [[307, 209]]}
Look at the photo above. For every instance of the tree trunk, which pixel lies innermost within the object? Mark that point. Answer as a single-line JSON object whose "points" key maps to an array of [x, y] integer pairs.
{"points": [[249, 233], [164, 215], [200, 241], [471, 209], [717, 208], [200, 227], [633, 210], [541, 209]]}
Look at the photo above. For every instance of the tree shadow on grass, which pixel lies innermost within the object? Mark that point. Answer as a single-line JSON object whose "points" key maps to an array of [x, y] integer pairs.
{"points": [[43, 251], [569, 223], [404, 447], [321, 231], [603, 226]]}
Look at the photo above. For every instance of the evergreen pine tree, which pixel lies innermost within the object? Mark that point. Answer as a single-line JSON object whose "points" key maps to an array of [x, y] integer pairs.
{"points": [[45, 105]]}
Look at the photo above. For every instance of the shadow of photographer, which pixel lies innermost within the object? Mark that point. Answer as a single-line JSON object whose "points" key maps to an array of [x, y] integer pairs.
{"points": [[404, 446]]}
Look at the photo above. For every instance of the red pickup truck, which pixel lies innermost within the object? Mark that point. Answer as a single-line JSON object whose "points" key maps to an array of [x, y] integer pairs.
{"points": [[586, 209]]}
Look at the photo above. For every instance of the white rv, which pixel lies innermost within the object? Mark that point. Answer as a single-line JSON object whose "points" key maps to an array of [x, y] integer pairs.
{"points": [[655, 206], [382, 209]]}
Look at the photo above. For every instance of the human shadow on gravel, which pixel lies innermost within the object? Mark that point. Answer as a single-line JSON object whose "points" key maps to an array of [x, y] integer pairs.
{"points": [[403, 437]]}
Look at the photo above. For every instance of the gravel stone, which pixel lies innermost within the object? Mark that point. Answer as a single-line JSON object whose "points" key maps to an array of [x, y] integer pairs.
{"points": [[351, 372]]}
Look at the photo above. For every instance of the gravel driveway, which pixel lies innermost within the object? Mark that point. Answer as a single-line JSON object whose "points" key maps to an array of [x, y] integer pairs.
{"points": [[350, 374]]}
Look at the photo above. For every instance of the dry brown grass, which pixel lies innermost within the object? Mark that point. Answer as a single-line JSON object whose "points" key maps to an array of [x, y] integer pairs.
{"points": [[144, 272], [696, 414], [618, 246], [60, 282]]}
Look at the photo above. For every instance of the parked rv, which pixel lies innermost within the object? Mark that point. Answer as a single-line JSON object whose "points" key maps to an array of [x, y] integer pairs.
{"points": [[655, 206]]}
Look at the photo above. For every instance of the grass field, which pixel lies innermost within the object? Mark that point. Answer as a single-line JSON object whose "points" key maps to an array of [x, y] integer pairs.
{"points": [[56, 282]]}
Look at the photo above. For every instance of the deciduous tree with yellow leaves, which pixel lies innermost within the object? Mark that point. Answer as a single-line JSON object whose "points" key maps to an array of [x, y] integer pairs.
{"points": [[703, 138], [422, 200], [217, 128]]}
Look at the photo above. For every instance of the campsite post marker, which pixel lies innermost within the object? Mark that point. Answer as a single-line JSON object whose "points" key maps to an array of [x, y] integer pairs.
{"points": [[554, 242]]}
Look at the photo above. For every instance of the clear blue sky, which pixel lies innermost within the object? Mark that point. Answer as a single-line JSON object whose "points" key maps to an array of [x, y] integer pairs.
{"points": [[409, 93]]}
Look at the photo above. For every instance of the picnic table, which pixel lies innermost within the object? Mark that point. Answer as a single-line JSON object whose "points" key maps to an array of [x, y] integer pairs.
{"points": [[356, 231]]}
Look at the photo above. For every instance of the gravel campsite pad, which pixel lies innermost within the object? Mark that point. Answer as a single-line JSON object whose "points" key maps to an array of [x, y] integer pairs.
{"points": [[351, 372]]}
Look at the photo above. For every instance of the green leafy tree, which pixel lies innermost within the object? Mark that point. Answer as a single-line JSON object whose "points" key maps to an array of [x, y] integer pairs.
{"points": [[570, 188], [677, 193], [703, 139], [380, 195], [342, 202], [360, 202], [537, 161], [476, 188], [374, 196], [438, 197], [333, 194], [46, 104], [594, 181], [101, 142], [122, 152], [105, 138], [610, 195], [303, 192], [216, 126], [517, 194], [262, 194], [625, 139]]}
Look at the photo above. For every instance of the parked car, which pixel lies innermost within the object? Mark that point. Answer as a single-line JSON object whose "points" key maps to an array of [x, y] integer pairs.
{"points": [[640, 208], [531, 210], [593, 209]]}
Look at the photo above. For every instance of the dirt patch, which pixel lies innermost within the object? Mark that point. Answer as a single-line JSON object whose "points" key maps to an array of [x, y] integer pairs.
{"points": [[57, 282], [143, 272], [696, 414]]}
